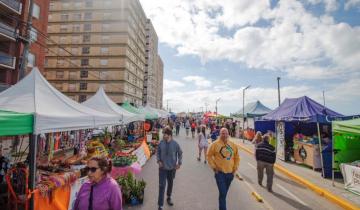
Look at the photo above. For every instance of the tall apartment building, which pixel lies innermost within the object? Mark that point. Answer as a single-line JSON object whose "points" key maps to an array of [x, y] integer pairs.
{"points": [[97, 42], [159, 66], [13, 17], [149, 97]]}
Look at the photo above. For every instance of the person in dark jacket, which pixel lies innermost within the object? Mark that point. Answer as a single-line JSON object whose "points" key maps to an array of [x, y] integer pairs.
{"points": [[265, 157], [169, 158]]}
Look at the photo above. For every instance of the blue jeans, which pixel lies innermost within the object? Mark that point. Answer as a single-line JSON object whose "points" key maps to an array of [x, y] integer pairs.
{"points": [[223, 181], [165, 175]]}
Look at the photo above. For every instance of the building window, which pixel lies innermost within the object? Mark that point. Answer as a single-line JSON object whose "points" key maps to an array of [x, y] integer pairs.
{"points": [[77, 16], [58, 86], [87, 27], [88, 16], [107, 15], [59, 74], [72, 87], [85, 50], [103, 75], [65, 5], [64, 17], [51, 6], [77, 4], [84, 74], [105, 38], [31, 60], [75, 39], [83, 86], [84, 62], [76, 28], [104, 62], [72, 75], [89, 3], [60, 62], [36, 11], [61, 51], [104, 50], [86, 38], [105, 27], [82, 98], [33, 35], [73, 62], [63, 28]]}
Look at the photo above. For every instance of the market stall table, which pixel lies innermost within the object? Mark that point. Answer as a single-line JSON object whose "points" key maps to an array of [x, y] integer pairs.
{"points": [[307, 153]]}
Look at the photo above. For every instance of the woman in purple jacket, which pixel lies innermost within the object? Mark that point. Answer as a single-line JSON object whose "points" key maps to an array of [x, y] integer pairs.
{"points": [[101, 192]]}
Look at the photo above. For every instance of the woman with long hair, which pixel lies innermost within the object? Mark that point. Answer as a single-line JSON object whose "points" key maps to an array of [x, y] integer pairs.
{"points": [[202, 143]]}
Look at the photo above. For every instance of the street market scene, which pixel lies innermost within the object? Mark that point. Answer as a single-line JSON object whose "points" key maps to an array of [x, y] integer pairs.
{"points": [[174, 105]]}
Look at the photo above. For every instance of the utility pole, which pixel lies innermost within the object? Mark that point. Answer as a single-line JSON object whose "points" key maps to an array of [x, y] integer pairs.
{"points": [[244, 108], [25, 54], [278, 81], [216, 108], [324, 97]]}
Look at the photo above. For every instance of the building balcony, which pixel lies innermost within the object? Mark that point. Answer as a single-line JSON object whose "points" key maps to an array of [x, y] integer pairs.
{"points": [[7, 32], [7, 61], [13, 5]]}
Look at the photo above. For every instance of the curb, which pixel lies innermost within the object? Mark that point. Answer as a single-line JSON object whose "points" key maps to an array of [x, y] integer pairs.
{"points": [[320, 191]]}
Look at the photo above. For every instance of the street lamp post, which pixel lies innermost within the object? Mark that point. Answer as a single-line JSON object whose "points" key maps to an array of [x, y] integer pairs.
{"points": [[216, 110], [278, 81], [167, 104], [244, 108]]}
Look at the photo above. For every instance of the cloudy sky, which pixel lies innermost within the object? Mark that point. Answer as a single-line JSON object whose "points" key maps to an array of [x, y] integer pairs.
{"points": [[214, 48]]}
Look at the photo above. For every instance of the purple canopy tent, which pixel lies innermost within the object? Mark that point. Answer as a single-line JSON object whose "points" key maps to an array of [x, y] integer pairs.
{"points": [[303, 109]]}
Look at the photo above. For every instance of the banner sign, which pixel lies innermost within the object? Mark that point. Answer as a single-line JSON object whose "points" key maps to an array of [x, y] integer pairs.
{"points": [[351, 176], [280, 139]]}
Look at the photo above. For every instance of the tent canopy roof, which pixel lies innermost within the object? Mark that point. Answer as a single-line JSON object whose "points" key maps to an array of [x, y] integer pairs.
{"points": [[347, 126], [301, 109], [127, 106], [53, 110], [254, 109], [14, 123], [150, 113], [101, 102]]}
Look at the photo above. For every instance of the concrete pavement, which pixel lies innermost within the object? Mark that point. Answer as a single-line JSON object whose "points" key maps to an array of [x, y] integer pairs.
{"points": [[195, 187]]}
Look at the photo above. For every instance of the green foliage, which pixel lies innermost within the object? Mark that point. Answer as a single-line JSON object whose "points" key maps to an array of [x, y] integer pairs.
{"points": [[131, 187]]}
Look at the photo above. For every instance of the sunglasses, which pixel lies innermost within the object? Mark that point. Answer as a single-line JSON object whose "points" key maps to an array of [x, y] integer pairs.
{"points": [[91, 169]]}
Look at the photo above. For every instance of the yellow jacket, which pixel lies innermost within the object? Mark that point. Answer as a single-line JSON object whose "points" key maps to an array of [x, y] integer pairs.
{"points": [[223, 157]]}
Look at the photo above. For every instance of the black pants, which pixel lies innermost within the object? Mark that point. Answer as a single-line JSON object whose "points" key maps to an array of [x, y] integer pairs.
{"points": [[165, 175]]}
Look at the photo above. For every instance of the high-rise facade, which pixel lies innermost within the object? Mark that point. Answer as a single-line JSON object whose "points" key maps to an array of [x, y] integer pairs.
{"points": [[149, 97], [13, 35], [97, 42], [159, 66]]}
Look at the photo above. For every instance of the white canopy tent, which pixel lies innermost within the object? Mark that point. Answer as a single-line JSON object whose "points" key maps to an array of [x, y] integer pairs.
{"points": [[161, 113], [53, 110], [101, 102]]}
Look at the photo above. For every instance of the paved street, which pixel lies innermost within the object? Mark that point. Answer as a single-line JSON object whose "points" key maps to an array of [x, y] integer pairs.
{"points": [[195, 187]]}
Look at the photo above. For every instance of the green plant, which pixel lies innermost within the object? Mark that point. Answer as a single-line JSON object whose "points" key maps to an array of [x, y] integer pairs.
{"points": [[131, 188]]}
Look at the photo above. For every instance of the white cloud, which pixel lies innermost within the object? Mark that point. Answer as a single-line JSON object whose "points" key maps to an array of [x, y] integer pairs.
{"points": [[289, 37], [352, 3], [171, 84], [200, 82]]}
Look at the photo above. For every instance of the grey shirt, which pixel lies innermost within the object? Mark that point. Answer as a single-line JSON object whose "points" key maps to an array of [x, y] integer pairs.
{"points": [[169, 153]]}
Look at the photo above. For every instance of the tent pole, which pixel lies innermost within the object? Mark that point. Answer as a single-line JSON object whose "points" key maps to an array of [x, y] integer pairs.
{"points": [[320, 148], [333, 161], [32, 167]]}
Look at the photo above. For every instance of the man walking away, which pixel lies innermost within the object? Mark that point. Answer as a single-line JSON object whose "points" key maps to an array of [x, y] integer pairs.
{"points": [[223, 158], [177, 124], [265, 157], [169, 158]]}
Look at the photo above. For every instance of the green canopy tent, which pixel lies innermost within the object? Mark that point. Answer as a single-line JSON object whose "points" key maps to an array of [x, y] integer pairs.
{"points": [[346, 142], [14, 123], [126, 105], [149, 114]]}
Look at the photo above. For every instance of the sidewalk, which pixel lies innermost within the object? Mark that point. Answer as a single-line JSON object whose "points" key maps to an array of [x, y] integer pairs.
{"points": [[313, 177]]}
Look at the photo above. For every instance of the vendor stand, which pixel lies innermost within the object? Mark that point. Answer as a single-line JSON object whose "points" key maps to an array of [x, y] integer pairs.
{"points": [[309, 121], [346, 152]]}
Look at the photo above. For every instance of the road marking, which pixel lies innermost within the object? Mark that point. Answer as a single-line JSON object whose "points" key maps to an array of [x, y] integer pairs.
{"points": [[292, 195], [251, 165]]}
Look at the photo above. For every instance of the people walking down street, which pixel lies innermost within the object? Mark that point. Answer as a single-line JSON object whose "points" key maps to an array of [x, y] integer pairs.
{"points": [[202, 143], [177, 127], [169, 158], [193, 128], [223, 157], [100, 185], [265, 157], [187, 127]]}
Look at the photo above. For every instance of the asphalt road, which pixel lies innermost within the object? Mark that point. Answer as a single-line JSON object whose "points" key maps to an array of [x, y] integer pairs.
{"points": [[195, 187]]}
